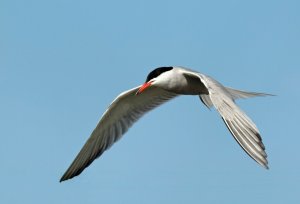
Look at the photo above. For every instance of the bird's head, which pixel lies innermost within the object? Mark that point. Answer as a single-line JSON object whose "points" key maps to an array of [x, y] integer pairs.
{"points": [[153, 78]]}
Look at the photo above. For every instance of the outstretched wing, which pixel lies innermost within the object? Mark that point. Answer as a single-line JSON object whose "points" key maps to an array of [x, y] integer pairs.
{"points": [[126, 109], [239, 124]]}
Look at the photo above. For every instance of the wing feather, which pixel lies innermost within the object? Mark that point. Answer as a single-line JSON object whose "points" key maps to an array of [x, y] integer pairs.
{"points": [[238, 123], [126, 109]]}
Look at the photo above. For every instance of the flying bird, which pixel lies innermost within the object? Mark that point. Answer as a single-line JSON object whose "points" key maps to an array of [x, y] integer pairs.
{"points": [[163, 84]]}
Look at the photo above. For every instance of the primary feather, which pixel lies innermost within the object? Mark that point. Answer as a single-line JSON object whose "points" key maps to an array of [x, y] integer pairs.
{"points": [[126, 109]]}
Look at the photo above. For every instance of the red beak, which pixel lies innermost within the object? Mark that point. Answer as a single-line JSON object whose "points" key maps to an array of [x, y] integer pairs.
{"points": [[143, 87]]}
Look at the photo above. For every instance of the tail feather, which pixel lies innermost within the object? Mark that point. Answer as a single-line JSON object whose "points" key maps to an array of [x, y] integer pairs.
{"points": [[236, 94]]}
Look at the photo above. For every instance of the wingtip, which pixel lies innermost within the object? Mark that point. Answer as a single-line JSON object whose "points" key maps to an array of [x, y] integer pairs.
{"points": [[62, 179], [266, 167], [65, 177]]}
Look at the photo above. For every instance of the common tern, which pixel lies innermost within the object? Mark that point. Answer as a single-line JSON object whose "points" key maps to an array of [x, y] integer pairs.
{"points": [[163, 84]]}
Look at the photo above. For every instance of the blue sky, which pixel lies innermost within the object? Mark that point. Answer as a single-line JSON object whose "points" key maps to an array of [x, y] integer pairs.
{"points": [[62, 62]]}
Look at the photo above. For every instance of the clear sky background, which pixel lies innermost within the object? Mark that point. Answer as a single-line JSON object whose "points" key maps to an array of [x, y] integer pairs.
{"points": [[62, 62]]}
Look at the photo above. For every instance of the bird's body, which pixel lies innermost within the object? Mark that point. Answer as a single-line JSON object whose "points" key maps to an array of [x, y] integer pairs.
{"points": [[163, 84]]}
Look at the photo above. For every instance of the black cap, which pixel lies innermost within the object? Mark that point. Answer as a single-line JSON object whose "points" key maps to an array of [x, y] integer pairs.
{"points": [[156, 72]]}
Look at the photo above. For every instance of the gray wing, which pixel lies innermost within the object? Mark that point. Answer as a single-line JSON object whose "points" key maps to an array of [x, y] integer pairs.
{"points": [[239, 124], [126, 109]]}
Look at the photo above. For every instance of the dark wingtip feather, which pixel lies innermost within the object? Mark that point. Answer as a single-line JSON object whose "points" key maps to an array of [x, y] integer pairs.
{"points": [[253, 156], [69, 174]]}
